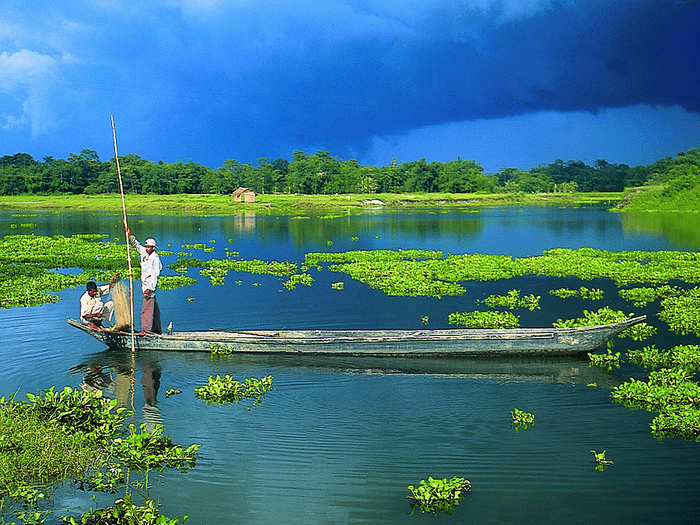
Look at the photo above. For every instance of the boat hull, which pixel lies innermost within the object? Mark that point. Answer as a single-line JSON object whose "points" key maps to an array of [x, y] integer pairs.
{"points": [[418, 343]]}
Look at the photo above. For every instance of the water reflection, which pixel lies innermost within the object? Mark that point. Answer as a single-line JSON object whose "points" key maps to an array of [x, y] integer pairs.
{"points": [[114, 375], [681, 229]]}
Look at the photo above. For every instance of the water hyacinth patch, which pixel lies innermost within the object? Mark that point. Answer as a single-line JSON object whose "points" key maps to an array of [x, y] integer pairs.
{"points": [[643, 295], [681, 356], [607, 360], [438, 495], [522, 420], [664, 388], [607, 315], [593, 294], [226, 390], [512, 299], [488, 319], [682, 312], [601, 462], [298, 278]]}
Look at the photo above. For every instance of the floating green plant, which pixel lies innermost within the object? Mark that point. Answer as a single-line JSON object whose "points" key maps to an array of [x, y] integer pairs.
{"points": [[425, 320], [641, 296], [607, 315], [681, 356], [169, 282], [438, 495], [223, 390], [488, 319], [521, 419], [601, 462], [428, 273], [338, 286], [172, 392], [670, 392], [124, 512], [298, 278], [682, 312], [512, 299], [607, 360], [219, 349], [593, 294], [564, 293]]}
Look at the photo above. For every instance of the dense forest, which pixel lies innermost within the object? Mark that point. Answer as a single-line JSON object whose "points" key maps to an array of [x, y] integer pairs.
{"points": [[321, 173]]}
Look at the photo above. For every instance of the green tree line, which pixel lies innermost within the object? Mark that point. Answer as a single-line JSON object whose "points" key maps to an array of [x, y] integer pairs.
{"points": [[322, 173]]}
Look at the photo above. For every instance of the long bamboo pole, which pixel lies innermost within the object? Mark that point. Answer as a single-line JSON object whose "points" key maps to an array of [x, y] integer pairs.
{"points": [[128, 252]]}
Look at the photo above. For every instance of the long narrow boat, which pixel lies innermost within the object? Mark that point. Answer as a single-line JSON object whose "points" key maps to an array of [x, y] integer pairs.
{"points": [[418, 343]]}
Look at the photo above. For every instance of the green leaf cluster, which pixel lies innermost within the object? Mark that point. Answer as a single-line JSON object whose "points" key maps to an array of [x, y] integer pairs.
{"points": [[522, 419], [439, 495], [593, 294], [682, 312], [670, 392], [487, 319], [512, 299], [226, 389], [681, 356]]}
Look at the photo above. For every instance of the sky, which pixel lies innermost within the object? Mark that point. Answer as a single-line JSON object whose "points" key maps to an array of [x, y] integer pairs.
{"points": [[507, 83]]}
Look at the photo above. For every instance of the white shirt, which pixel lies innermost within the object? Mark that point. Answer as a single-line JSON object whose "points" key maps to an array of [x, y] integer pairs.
{"points": [[150, 266], [93, 305]]}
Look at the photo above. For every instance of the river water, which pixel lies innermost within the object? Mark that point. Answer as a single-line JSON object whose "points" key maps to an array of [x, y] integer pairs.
{"points": [[339, 439]]}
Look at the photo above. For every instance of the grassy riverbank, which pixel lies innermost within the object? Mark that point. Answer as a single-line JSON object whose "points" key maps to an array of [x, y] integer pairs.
{"points": [[210, 204]]}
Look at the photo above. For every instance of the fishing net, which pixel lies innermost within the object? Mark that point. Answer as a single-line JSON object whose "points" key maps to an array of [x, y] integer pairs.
{"points": [[120, 297]]}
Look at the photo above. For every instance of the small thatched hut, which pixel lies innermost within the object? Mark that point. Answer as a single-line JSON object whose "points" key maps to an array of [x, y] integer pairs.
{"points": [[244, 195]]}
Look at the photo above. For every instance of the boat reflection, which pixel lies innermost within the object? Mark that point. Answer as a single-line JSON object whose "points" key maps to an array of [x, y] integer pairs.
{"points": [[560, 369], [113, 374]]}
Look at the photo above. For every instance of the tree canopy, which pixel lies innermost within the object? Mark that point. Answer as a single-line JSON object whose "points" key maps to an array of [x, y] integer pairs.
{"points": [[322, 173]]}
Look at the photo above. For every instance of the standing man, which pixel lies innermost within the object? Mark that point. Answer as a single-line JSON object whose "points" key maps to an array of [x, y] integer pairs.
{"points": [[92, 310], [150, 270]]}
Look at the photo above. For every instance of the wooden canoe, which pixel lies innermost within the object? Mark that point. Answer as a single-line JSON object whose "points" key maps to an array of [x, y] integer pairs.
{"points": [[450, 342]]}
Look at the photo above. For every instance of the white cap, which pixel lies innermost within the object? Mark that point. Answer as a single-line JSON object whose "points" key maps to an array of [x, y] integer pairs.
{"points": [[150, 242]]}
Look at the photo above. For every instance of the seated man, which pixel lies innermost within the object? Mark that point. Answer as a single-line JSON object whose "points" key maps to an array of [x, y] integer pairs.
{"points": [[92, 310]]}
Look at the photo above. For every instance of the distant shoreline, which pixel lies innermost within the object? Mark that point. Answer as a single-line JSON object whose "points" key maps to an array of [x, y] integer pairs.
{"points": [[212, 204]]}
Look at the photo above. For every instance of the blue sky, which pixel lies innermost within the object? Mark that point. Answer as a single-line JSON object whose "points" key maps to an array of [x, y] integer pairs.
{"points": [[509, 83]]}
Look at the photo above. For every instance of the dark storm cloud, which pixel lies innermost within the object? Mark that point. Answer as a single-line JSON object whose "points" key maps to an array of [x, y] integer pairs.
{"points": [[216, 79]]}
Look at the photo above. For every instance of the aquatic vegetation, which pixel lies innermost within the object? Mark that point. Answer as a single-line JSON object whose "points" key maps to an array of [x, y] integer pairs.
{"points": [[682, 312], [223, 390], [681, 356], [338, 285], [488, 319], [172, 392], [354, 238], [428, 273], [124, 512], [143, 450], [298, 278], [643, 295], [607, 315], [601, 462], [521, 419], [439, 495], [512, 299], [75, 411], [34, 450], [607, 360], [682, 421], [665, 387], [169, 282], [217, 269], [219, 349], [92, 428], [425, 320], [593, 294], [672, 393], [639, 332]]}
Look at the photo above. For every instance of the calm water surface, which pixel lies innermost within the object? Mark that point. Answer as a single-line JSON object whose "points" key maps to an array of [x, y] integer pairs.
{"points": [[339, 439]]}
